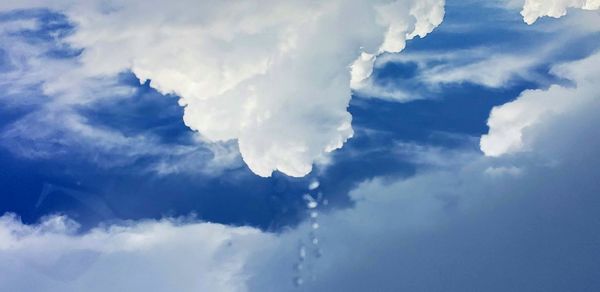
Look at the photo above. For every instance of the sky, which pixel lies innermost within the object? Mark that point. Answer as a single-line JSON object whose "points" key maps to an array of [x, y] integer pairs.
{"points": [[356, 145]]}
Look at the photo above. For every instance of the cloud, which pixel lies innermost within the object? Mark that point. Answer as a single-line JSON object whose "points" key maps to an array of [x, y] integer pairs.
{"points": [[494, 72], [274, 75], [517, 222], [534, 9], [149, 255], [41, 78], [480, 65], [468, 222], [509, 123], [501, 54]]}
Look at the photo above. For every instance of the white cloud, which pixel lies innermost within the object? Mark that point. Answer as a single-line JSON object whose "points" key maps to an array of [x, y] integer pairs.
{"points": [[534, 9], [148, 255], [494, 71], [489, 61], [361, 69], [274, 75], [508, 123], [427, 15]]}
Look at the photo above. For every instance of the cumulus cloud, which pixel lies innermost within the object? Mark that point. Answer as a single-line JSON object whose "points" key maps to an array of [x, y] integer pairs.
{"points": [[428, 15], [274, 75], [509, 123], [485, 59], [534, 9]]}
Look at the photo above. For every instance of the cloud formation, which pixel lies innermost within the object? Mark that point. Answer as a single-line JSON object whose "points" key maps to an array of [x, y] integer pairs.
{"points": [[274, 75], [435, 69], [501, 219], [494, 55], [509, 123], [519, 222], [534, 9], [49, 90], [464, 214], [148, 255]]}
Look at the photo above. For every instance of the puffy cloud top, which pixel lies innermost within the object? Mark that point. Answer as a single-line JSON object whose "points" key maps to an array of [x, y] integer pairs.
{"points": [[509, 122], [275, 75], [535, 9]]}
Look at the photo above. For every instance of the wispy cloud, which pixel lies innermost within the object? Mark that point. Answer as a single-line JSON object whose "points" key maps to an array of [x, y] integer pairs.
{"points": [[43, 79]]}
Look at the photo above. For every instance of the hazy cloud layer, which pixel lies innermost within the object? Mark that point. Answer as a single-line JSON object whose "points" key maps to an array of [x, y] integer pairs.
{"points": [[144, 256]]}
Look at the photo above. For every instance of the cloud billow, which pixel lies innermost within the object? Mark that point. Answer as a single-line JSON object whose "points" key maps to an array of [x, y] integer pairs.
{"points": [[511, 123], [534, 9]]}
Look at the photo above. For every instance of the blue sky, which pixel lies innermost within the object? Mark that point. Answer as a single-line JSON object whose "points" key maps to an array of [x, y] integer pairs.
{"points": [[472, 164]]}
